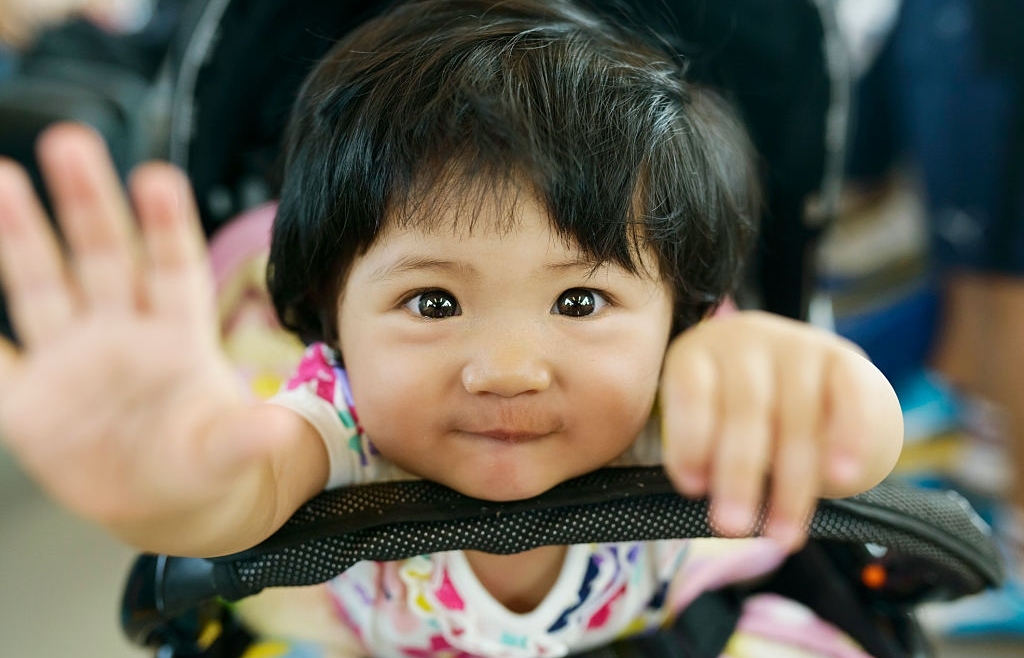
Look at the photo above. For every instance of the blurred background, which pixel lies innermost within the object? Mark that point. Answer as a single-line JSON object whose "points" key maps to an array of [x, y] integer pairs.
{"points": [[893, 140]]}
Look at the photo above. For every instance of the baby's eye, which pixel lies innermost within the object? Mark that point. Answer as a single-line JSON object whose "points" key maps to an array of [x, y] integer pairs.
{"points": [[434, 304], [578, 302]]}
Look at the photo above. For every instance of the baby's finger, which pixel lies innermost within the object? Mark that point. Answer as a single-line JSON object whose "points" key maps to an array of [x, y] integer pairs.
{"points": [[795, 484], [849, 410], [32, 271], [9, 358], [93, 213], [794, 490], [688, 409], [178, 274], [744, 445]]}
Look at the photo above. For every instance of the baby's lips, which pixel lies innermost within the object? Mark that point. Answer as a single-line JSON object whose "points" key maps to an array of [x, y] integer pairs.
{"points": [[508, 435]]}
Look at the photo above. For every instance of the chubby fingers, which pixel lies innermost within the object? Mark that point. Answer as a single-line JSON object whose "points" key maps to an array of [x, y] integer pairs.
{"points": [[762, 412], [113, 263], [689, 415], [9, 361], [795, 479], [35, 282], [178, 280], [864, 426], [717, 404], [743, 446], [831, 440], [93, 214]]}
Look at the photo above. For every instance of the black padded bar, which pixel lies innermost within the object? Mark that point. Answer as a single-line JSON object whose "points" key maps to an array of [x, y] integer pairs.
{"points": [[398, 520]]}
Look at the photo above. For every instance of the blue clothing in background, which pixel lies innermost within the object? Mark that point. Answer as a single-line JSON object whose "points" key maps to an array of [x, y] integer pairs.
{"points": [[934, 100]]}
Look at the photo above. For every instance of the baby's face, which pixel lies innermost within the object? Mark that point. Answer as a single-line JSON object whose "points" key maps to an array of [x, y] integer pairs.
{"points": [[494, 361]]}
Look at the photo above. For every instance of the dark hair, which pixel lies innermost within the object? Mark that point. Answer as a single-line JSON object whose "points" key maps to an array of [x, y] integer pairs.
{"points": [[621, 150]]}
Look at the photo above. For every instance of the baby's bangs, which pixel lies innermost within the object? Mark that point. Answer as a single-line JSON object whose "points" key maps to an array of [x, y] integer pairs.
{"points": [[452, 196], [435, 105]]}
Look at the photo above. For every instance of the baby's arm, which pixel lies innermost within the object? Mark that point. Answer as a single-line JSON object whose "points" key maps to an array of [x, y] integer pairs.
{"points": [[118, 400], [756, 407]]}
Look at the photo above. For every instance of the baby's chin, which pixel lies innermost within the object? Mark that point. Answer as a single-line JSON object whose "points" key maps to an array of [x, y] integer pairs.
{"points": [[511, 476], [495, 489]]}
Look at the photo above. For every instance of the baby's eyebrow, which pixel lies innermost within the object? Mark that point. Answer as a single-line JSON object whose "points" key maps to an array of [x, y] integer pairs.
{"points": [[415, 263], [574, 264], [588, 268], [422, 263]]}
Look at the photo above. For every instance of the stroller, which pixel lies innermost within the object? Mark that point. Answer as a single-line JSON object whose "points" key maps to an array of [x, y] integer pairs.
{"points": [[215, 105]]}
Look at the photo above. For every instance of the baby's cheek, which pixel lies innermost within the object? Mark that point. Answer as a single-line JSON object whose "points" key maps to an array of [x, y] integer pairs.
{"points": [[394, 407], [619, 410], [372, 402]]}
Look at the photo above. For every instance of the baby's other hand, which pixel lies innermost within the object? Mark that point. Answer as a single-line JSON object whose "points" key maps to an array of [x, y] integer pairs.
{"points": [[762, 410]]}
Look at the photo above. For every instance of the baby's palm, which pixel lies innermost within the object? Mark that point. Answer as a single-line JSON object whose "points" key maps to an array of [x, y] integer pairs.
{"points": [[118, 400]]}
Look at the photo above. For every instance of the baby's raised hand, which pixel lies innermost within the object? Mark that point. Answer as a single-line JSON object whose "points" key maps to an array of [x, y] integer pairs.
{"points": [[758, 409], [117, 400]]}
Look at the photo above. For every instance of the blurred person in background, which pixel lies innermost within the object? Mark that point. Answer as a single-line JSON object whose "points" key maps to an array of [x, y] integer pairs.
{"points": [[21, 21], [945, 100]]}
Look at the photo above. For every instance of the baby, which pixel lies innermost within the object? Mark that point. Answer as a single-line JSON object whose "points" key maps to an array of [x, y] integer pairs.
{"points": [[502, 229]]}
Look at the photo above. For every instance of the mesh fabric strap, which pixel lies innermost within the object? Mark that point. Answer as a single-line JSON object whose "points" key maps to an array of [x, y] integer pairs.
{"points": [[398, 520]]}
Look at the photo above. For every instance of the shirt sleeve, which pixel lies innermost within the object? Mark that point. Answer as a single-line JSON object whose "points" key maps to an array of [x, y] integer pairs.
{"points": [[319, 392]]}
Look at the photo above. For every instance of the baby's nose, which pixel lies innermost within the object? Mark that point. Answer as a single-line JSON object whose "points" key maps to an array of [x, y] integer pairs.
{"points": [[506, 365]]}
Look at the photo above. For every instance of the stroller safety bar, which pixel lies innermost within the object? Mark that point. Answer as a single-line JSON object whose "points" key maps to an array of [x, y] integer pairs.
{"points": [[939, 548]]}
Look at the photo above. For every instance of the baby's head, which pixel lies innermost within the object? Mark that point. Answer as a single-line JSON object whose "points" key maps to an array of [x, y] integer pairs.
{"points": [[499, 213]]}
